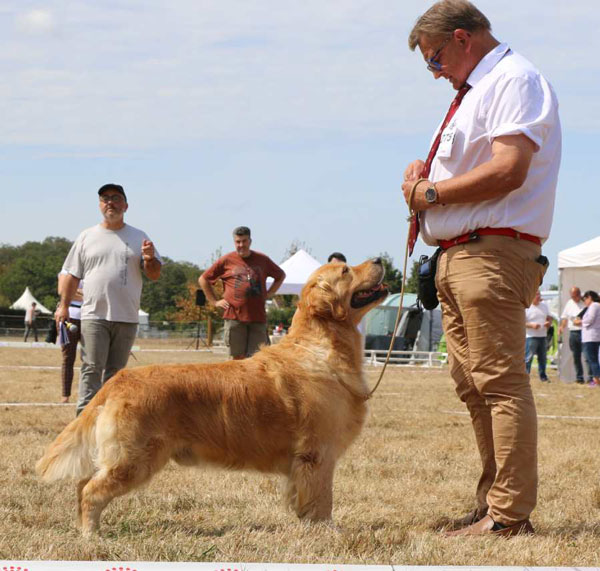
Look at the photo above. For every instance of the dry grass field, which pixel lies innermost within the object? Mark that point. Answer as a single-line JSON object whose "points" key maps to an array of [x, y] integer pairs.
{"points": [[414, 463]]}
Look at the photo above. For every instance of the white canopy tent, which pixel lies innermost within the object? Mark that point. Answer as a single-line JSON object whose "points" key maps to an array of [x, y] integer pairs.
{"points": [[298, 269], [577, 266], [143, 320], [25, 301]]}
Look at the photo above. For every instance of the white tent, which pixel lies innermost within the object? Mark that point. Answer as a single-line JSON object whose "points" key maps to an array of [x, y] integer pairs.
{"points": [[577, 266], [25, 301], [297, 270], [143, 320]]}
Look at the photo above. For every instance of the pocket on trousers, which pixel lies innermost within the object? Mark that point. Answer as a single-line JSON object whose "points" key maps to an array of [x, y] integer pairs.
{"points": [[533, 277], [227, 332]]}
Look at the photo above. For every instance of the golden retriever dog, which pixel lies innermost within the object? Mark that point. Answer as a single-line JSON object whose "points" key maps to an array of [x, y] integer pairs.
{"points": [[292, 409]]}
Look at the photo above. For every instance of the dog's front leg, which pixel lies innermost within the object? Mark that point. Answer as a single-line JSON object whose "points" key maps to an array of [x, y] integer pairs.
{"points": [[311, 479]]}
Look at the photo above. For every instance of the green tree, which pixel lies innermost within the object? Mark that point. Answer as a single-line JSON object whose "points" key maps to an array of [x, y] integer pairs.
{"points": [[392, 276], [412, 283], [159, 298], [277, 315], [34, 265]]}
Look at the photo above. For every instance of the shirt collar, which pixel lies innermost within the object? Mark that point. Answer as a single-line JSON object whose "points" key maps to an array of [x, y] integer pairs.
{"points": [[487, 63]]}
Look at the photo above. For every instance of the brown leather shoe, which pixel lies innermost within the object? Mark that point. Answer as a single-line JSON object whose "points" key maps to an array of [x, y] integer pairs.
{"points": [[448, 524], [487, 526]]}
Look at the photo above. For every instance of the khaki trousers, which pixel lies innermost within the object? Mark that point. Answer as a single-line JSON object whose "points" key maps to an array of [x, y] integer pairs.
{"points": [[245, 337], [484, 287]]}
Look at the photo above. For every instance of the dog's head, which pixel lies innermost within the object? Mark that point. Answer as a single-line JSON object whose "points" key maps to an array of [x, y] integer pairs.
{"points": [[341, 292]]}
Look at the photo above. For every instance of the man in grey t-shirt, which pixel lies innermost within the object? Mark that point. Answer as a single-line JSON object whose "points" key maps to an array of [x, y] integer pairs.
{"points": [[109, 257]]}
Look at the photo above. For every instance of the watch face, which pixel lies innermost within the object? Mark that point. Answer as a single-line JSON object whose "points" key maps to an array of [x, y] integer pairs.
{"points": [[431, 195]]}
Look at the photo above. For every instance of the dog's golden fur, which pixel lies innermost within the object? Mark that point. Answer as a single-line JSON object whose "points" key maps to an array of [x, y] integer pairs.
{"points": [[292, 408]]}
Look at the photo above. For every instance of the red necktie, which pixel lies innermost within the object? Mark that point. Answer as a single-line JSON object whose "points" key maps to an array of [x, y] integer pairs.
{"points": [[414, 217]]}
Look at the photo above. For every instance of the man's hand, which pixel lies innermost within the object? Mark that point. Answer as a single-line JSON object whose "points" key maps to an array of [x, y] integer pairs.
{"points": [[148, 250], [152, 265], [223, 304], [413, 170], [418, 202], [61, 314]]}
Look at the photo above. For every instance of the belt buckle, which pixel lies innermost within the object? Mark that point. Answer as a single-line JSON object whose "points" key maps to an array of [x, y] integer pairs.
{"points": [[473, 237]]}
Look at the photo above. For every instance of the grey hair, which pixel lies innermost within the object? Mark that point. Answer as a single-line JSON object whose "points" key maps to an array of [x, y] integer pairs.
{"points": [[241, 231], [446, 16]]}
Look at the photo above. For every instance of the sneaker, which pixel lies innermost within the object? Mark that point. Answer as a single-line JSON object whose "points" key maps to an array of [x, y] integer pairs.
{"points": [[592, 384]]}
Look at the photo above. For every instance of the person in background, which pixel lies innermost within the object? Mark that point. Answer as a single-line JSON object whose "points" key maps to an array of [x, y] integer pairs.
{"points": [[572, 309], [336, 257], [244, 273], [537, 321], [590, 333], [30, 321], [69, 350], [109, 258]]}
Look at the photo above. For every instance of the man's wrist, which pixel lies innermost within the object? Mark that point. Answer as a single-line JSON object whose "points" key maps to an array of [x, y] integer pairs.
{"points": [[431, 194]]}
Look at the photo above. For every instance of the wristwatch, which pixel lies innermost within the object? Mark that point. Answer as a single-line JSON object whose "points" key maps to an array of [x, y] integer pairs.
{"points": [[431, 194]]}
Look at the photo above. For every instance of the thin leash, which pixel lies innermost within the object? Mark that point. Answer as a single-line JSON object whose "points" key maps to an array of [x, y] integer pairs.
{"points": [[402, 289]]}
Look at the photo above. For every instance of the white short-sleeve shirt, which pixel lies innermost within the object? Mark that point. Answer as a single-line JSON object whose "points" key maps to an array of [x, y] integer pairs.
{"points": [[110, 264], [572, 310], [508, 96], [537, 314]]}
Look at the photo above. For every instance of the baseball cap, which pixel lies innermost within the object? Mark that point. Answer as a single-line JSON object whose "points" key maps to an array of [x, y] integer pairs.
{"points": [[114, 187]]}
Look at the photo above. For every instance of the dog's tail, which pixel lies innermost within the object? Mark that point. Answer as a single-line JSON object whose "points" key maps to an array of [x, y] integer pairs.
{"points": [[72, 454]]}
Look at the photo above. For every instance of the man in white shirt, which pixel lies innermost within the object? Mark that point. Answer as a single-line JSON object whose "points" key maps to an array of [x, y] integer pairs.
{"points": [[109, 257], [485, 195], [572, 309], [30, 321], [537, 321]]}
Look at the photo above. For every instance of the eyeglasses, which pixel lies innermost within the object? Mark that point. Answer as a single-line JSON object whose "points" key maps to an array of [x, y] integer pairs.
{"points": [[432, 63], [106, 198]]}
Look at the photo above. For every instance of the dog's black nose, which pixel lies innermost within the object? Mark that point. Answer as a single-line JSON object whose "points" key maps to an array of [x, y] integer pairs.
{"points": [[376, 261]]}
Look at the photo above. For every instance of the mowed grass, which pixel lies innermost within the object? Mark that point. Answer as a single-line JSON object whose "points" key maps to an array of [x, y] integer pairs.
{"points": [[414, 463]]}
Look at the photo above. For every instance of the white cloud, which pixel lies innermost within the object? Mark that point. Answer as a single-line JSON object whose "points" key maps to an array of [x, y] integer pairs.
{"points": [[154, 73], [36, 21]]}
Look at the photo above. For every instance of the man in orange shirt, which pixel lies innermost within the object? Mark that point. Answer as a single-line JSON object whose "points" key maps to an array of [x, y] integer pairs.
{"points": [[244, 273]]}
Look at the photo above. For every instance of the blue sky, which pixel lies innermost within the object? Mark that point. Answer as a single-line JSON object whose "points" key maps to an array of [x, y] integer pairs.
{"points": [[294, 118]]}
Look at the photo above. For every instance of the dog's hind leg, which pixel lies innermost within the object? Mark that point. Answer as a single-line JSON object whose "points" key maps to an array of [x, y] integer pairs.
{"points": [[310, 489], [111, 482], [80, 485]]}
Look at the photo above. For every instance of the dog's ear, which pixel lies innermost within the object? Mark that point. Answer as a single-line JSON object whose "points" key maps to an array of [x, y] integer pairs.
{"points": [[323, 300]]}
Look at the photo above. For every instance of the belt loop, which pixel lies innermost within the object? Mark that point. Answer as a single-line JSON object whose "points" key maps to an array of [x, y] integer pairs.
{"points": [[517, 235]]}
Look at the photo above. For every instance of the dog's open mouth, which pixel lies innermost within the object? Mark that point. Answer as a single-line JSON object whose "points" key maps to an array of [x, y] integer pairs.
{"points": [[367, 296]]}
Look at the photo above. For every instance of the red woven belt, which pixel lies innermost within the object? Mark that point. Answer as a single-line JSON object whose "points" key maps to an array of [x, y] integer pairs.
{"points": [[445, 244]]}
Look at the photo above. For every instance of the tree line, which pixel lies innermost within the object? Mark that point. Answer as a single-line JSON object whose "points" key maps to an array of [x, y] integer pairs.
{"points": [[171, 298]]}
